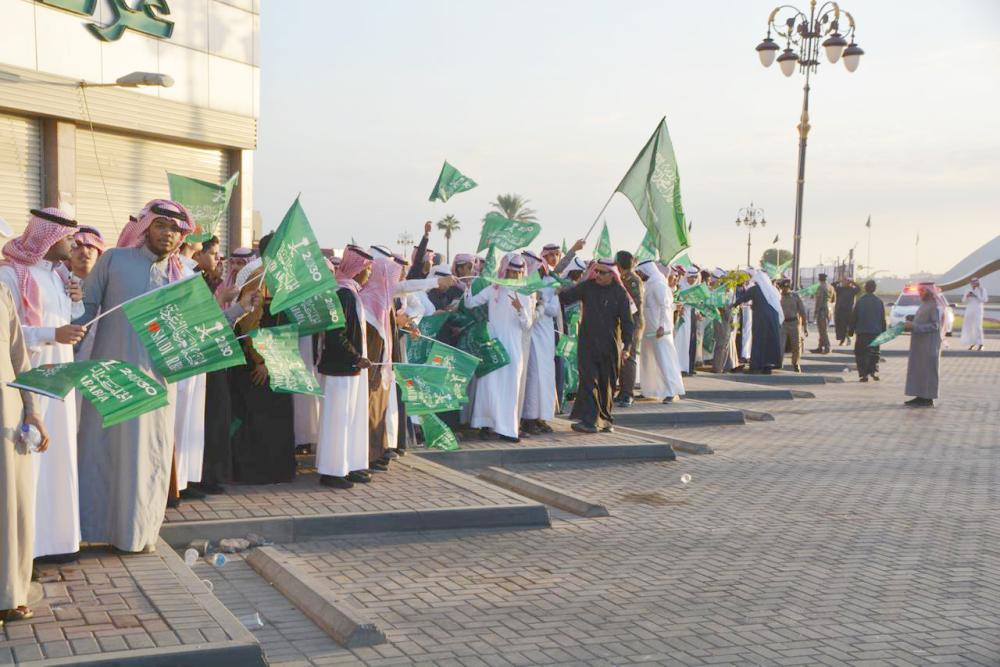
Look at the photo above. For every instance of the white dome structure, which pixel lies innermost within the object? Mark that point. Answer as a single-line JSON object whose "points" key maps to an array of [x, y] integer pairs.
{"points": [[983, 263]]}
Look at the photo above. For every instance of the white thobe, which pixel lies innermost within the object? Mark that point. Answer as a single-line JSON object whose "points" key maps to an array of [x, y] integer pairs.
{"points": [[972, 321], [683, 340], [498, 394], [342, 443], [746, 319], [540, 383], [659, 366], [305, 407], [57, 491]]}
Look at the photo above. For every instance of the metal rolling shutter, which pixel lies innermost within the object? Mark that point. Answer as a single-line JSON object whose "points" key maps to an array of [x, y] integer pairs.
{"points": [[135, 171], [20, 169]]}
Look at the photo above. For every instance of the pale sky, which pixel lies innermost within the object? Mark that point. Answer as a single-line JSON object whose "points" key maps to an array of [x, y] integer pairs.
{"points": [[552, 99]]}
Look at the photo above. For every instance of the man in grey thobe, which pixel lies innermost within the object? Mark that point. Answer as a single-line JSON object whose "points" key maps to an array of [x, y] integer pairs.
{"points": [[17, 477], [125, 469], [925, 349]]}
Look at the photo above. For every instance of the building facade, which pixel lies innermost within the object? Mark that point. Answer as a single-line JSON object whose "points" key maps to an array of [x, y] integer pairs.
{"points": [[71, 137]]}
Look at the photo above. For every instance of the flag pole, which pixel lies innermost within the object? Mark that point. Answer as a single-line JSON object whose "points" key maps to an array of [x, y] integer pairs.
{"points": [[597, 219]]}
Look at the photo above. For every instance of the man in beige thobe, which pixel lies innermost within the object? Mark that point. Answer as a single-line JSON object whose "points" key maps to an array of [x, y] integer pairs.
{"points": [[17, 478]]}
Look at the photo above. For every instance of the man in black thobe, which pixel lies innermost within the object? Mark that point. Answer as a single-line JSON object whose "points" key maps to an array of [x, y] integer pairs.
{"points": [[603, 344], [867, 321]]}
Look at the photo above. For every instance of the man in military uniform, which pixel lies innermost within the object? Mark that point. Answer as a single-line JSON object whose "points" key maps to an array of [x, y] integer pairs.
{"points": [[824, 300]]}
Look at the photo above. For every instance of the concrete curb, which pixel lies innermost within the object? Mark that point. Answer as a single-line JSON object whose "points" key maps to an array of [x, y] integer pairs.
{"points": [[545, 493], [481, 458], [299, 528], [345, 624]]}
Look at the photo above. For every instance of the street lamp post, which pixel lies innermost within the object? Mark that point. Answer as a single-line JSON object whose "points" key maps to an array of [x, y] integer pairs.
{"points": [[802, 34], [750, 217]]}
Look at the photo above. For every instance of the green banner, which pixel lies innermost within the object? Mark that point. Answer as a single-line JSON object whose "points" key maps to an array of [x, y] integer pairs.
{"points": [[450, 182], [437, 435], [207, 202], [183, 330], [286, 371], [567, 346], [430, 326], [321, 312], [506, 234], [889, 334], [118, 391], [294, 267], [603, 249], [461, 367], [653, 185], [424, 388]]}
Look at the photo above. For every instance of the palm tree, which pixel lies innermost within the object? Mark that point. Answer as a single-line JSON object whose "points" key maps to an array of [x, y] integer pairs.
{"points": [[450, 224], [514, 207]]}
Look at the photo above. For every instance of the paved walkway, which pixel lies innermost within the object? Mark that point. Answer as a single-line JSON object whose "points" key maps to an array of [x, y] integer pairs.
{"points": [[851, 530]]}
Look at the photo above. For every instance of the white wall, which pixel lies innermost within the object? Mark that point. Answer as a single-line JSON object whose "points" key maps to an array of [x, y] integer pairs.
{"points": [[213, 54]]}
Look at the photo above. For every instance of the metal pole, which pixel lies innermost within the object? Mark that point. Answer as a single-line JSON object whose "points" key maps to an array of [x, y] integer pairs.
{"points": [[800, 184]]}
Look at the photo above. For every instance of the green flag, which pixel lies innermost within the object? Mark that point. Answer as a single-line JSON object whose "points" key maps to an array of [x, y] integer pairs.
{"points": [[294, 267], [889, 334], [461, 367], [429, 327], [450, 182], [437, 435], [647, 248], [653, 186], [118, 391], [506, 234], [320, 312], [286, 372], [603, 249], [424, 388], [567, 346], [183, 330], [809, 290], [207, 202]]}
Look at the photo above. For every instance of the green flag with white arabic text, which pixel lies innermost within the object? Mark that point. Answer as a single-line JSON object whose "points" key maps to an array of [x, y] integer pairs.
{"points": [[653, 185], [450, 182], [506, 234], [286, 371], [118, 391], [207, 202], [183, 330], [604, 249], [294, 267]]}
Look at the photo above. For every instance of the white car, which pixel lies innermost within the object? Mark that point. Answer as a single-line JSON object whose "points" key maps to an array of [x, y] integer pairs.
{"points": [[906, 307]]}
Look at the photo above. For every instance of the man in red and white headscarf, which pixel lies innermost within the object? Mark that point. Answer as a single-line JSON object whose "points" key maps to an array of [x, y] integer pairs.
{"points": [[125, 469], [33, 270]]}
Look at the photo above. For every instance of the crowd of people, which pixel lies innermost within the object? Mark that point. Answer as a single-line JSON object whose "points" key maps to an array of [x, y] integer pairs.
{"points": [[88, 484]]}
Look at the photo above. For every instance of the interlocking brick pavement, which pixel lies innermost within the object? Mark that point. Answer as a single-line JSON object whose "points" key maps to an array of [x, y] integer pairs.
{"points": [[851, 530]]}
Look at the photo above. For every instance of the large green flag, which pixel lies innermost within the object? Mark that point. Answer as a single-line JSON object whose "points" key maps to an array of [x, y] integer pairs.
{"points": [[417, 349], [461, 367], [183, 330], [118, 391], [294, 267], [207, 202], [318, 313], [647, 248], [603, 249], [450, 182], [506, 234], [424, 388], [889, 334], [437, 435], [286, 372], [653, 185]]}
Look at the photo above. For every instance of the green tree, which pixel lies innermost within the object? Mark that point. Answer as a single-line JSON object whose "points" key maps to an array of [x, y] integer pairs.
{"points": [[514, 207], [449, 224], [776, 256]]}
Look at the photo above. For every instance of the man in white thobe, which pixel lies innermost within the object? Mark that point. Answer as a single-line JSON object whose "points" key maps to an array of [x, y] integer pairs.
{"points": [[46, 308], [972, 322], [659, 370]]}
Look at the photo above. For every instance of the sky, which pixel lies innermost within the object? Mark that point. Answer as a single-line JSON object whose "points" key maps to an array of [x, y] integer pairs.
{"points": [[362, 101]]}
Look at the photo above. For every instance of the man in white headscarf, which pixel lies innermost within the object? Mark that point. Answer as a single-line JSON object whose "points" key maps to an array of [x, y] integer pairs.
{"points": [[659, 369], [972, 322]]}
